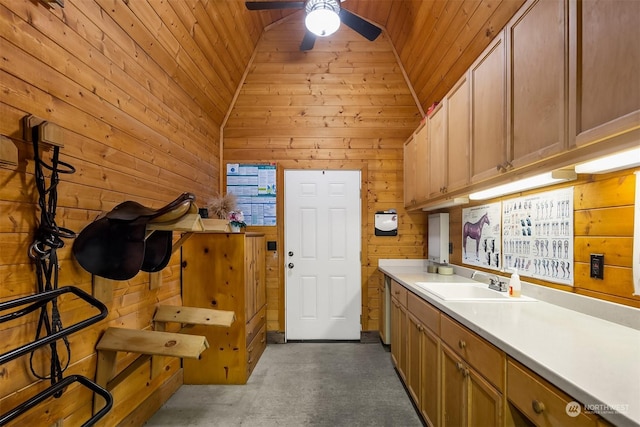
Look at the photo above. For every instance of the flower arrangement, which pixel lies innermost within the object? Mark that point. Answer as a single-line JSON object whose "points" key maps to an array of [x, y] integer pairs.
{"points": [[236, 219]]}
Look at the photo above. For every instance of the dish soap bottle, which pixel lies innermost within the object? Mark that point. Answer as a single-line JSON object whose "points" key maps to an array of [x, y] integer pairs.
{"points": [[514, 284]]}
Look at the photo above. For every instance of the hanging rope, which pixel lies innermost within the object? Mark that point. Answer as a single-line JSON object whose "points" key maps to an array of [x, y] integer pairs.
{"points": [[48, 239]]}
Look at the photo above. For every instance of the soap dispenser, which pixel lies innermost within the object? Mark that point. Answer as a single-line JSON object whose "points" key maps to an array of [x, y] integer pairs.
{"points": [[514, 284]]}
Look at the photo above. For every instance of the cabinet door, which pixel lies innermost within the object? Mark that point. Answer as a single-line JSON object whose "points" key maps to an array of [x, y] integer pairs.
{"points": [[605, 68], [488, 112], [260, 272], [429, 376], [410, 172], [396, 334], [454, 393], [538, 69], [458, 123], [485, 402], [422, 163], [249, 281], [413, 373], [437, 155]]}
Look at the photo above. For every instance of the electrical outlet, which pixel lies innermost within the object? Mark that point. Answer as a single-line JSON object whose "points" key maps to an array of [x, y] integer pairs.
{"points": [[596, 269]]}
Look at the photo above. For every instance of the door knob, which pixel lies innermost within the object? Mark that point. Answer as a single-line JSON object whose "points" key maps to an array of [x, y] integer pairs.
{"points": [[290, 265], [290, 253]]}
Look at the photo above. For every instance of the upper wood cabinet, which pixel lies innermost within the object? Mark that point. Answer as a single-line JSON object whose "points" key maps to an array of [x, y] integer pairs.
{"points": [[558, 85], [538, 67], [457, 134], [488, 112], [409, 168], [605, 65], [437, 151], [415, 167]]}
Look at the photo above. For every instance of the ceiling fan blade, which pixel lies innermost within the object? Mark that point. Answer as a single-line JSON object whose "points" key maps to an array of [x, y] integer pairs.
{"points": [[269, 5], [308, 41], [366, 29]]}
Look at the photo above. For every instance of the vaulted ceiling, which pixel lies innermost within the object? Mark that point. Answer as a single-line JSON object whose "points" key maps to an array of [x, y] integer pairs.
{"points": [[436, 40]]}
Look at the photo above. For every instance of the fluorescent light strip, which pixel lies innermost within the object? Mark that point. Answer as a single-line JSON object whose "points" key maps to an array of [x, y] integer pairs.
{"points": [[447, 204], [524, 184], [622, 160]]}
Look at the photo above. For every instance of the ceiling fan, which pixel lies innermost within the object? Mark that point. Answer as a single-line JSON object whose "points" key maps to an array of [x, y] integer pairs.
{"points": [[323, 18]]}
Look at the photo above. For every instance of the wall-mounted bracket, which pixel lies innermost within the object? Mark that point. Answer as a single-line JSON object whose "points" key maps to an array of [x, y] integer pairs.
{"points": [[8, 153], [48, 133]]}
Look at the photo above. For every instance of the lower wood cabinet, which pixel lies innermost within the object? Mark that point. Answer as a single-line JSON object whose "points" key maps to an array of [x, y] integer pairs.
{"points": [[539, 402], [467, 399], [399, 328], [226, 271], [456, 378]]}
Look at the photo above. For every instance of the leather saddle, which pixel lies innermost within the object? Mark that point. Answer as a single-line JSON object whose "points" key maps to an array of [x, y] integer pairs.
{"points": [[117, 246]]}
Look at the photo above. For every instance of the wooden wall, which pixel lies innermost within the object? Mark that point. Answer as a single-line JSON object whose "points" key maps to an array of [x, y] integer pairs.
{"points": [[140, 104], [603, 224], [343, 105]]}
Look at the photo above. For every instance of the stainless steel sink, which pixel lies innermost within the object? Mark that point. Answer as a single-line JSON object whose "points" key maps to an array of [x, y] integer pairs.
{"points": [[472, 291]]}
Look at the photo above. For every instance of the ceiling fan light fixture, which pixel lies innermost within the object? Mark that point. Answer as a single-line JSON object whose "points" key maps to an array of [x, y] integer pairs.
{"points": [[322, 17]]}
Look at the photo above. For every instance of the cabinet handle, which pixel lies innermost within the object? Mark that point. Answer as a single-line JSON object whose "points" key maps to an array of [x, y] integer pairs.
{"points": [[460, 366], [538, 407], [462, 344]]}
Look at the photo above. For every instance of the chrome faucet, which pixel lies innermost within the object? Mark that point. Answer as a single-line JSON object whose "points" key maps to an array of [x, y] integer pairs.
{"points": [[495, 281], [497, 285]]}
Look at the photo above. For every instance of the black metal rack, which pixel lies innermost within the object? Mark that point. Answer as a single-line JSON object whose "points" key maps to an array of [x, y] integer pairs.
{"points": [[34, 302]]}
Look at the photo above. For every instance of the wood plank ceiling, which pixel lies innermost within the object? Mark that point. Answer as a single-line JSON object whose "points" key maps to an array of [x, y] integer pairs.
{"points": [[436, 40]]}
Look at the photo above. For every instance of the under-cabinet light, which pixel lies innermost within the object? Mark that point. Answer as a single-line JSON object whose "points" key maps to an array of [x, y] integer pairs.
{"points": [[447, 204], [614, 162], [524, 184]]}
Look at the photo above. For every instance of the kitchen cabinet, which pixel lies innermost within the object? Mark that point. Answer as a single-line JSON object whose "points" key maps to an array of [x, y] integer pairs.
{"points": [[604, 69], [488, 112], [437, 152], [425, 358], [415, 167], [539, 401], [226, 271], [538, 68], [557, 86], [472, 378], [454, 377], [449, 137], [458, 134], [399, 328], [409, 167]]}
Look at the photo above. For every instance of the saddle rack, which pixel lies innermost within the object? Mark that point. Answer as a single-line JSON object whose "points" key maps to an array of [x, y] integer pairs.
{"points": [[30, 304]]}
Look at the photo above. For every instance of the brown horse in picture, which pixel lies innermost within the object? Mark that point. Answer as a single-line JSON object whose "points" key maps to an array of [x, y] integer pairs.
{"points": [[474, 231]]}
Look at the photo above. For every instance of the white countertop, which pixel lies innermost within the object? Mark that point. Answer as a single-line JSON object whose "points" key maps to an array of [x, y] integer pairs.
{"points": [[596, 361]]}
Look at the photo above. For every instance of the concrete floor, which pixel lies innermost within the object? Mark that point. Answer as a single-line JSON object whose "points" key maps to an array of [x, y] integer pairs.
{"points": [[301, 384]]}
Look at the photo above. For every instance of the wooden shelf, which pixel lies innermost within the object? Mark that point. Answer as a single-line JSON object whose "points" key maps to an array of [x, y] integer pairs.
{"points": [[188, 222], [147, 344], [152, 342], [193, 316]]}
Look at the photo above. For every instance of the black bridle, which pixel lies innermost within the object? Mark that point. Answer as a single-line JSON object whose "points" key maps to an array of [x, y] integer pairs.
{"points": [[47, 240]]}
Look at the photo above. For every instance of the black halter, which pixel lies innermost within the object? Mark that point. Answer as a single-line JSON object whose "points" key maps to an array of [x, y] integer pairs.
{"points": [[48, 238]]}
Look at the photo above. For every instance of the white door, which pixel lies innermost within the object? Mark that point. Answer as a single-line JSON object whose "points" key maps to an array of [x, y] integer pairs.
{"points": [[322, 255]]}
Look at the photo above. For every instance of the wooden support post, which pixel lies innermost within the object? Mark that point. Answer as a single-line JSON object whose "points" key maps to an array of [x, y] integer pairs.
{"points": [[105, 370], [102, 289], [155, 280]]}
